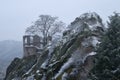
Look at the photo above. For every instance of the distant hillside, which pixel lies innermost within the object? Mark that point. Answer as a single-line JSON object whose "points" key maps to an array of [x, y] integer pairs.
{"points": [[9, 49]]}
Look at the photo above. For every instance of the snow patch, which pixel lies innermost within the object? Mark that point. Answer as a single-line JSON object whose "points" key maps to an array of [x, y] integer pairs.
{"points": [[65, 75], [29, 70], [64, 67], [95, 41], [90, 54], [44, 65], [90, 41], [37, 71]]}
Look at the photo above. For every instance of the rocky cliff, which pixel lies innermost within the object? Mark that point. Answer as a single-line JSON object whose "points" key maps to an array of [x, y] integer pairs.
{"points": [[9, 49], [71, 58]]}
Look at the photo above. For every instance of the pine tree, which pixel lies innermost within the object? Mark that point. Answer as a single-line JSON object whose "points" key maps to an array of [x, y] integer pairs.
{"points": [[107, 61]]}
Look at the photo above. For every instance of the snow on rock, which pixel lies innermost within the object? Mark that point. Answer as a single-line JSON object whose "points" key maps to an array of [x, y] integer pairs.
{"points": [[28, 72], [50, 47], [44, 65], [37, 71], [89, 15], [95, 41], [95, 26], [64, 76], [86, 42], [89, 20], [86, 23], [64, 67], [75, 59], [90, 54], [116, 70], [30, 77], [92, 40], [50, 65]]}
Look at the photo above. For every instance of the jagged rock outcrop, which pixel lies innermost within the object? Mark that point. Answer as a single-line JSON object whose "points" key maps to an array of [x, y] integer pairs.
{"points": [[9, 49], [69, 59], [19, 66]]}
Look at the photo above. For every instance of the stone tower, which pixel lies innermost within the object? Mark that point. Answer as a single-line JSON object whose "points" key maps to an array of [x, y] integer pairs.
{"points": [[31, 45]]}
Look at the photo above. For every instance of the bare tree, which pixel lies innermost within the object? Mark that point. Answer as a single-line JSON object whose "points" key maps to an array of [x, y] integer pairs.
{"points": [[46, 26]]}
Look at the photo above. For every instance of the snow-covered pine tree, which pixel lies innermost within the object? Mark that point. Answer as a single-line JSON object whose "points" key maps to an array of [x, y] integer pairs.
{"points": [[107, 62]]}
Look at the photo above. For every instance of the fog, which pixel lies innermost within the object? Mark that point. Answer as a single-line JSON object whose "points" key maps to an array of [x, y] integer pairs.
{"points": [[17, 15]]}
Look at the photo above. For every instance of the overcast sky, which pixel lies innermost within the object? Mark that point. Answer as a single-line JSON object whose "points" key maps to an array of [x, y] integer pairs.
{"points": [[17, 15]]}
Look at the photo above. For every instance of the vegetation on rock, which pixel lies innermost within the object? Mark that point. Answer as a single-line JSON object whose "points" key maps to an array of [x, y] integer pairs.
{"points": [[107, 60]]}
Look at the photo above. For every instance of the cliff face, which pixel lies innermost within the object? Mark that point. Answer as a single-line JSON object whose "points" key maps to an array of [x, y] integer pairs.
{"points": [[71, 58]]}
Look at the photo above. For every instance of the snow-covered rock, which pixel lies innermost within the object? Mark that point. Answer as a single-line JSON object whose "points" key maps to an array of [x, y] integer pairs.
{"points": [[70, 56]]}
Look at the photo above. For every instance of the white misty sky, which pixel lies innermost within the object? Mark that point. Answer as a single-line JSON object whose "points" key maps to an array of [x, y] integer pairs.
{"points": [[17, 15]]}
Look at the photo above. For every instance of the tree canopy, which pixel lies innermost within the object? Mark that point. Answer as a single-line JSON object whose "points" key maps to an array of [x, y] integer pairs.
{"points": [[107, 62], [46, 26]]}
